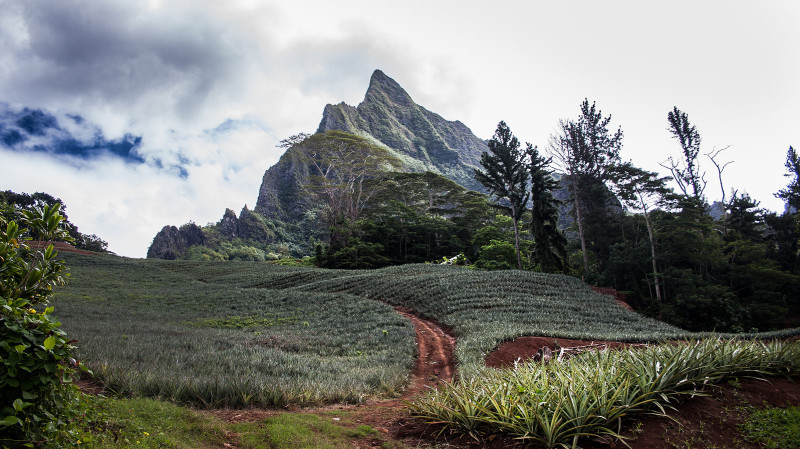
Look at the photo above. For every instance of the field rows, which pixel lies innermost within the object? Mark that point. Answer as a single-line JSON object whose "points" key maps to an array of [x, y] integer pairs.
{"points": [[240, 333]]}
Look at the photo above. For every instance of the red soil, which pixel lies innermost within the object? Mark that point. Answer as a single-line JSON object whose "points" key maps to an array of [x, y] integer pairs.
{"points": [[523, 349], [709, 421], [436, 359], [59, 246], [621, 298]]}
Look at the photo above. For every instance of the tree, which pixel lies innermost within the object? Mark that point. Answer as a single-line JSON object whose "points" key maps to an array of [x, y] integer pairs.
{"points": [[339, 164], [791, 194], [687, 173], [639, 189], [549, 243], [420, 217], [506, 177], [587, 152], [15, 203]]}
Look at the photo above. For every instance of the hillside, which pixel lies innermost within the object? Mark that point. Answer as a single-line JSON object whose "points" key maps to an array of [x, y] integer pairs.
{"points": [[250, 334]]}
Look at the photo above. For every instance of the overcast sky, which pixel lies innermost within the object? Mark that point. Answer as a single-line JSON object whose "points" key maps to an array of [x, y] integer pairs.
{"points": [[210, 87]]}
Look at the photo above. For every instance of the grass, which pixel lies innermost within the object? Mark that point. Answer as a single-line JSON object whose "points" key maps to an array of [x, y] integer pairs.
{"points": [[303, 430], [149, 423], [774, 428]]}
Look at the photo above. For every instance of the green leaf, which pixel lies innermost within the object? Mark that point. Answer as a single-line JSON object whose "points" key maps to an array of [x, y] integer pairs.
{"points": [[10, 421], [20, 348], [18, 404], [49, 342]]}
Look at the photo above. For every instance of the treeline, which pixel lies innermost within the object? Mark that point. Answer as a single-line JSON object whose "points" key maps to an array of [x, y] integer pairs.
{"points": [[727, 266], [12, 204]]}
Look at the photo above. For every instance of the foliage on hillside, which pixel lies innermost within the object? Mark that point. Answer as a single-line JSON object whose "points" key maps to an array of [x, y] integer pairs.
{"points": [[417, 217], [38, 402], [309, 335]]}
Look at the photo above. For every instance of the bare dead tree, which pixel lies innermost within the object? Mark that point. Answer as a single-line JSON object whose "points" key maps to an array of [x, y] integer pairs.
{"points": [[713, 155], [720, 167]]}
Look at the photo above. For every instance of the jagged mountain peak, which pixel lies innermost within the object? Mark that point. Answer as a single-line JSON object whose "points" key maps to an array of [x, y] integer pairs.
{"points": [[382, 88], [422, 139]]}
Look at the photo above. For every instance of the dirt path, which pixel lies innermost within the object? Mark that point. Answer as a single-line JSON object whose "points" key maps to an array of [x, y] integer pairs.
{"points": [[436, 359]]}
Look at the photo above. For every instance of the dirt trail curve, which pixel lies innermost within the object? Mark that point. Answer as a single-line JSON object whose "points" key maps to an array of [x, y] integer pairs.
{"points": [[436, 359]]}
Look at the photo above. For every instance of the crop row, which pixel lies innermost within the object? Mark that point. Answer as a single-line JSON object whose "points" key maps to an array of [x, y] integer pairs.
{"points": [[148, 328]]}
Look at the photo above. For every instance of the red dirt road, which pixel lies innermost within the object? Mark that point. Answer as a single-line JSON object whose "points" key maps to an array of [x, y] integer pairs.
{"points": [[436, 359]]}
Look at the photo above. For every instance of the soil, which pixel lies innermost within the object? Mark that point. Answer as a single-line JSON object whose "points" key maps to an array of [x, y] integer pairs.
{"points": [[524, 349], [709, 421], [59, 246], [621, 298], [436, 354]]}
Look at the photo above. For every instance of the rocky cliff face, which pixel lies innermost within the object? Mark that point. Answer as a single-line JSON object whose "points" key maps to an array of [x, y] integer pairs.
{"points": [[281, 195], [171, 242], [423, 140], [229, 225]]}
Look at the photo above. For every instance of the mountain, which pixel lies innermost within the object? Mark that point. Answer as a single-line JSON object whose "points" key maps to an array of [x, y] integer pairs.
{"points": [[283, 219], [423, 140]]}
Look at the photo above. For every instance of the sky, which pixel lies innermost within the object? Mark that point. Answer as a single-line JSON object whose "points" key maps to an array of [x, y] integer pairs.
{"points": [[141, 114]]}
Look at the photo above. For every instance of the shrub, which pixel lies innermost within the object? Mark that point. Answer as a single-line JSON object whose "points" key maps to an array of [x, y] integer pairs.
{"points": [[38, 402]]}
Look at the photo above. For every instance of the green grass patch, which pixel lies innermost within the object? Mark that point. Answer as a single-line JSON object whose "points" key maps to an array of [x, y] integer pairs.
{"points": [[290, 431], [774, 428], [148, 423]]}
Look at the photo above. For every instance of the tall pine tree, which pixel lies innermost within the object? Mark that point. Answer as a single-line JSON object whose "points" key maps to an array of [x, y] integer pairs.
{"points": [[549, 244], [587, 152], [505, 175]]}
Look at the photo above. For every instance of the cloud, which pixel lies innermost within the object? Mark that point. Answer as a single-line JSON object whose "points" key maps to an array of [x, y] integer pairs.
{"points": [[70, 137]]}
